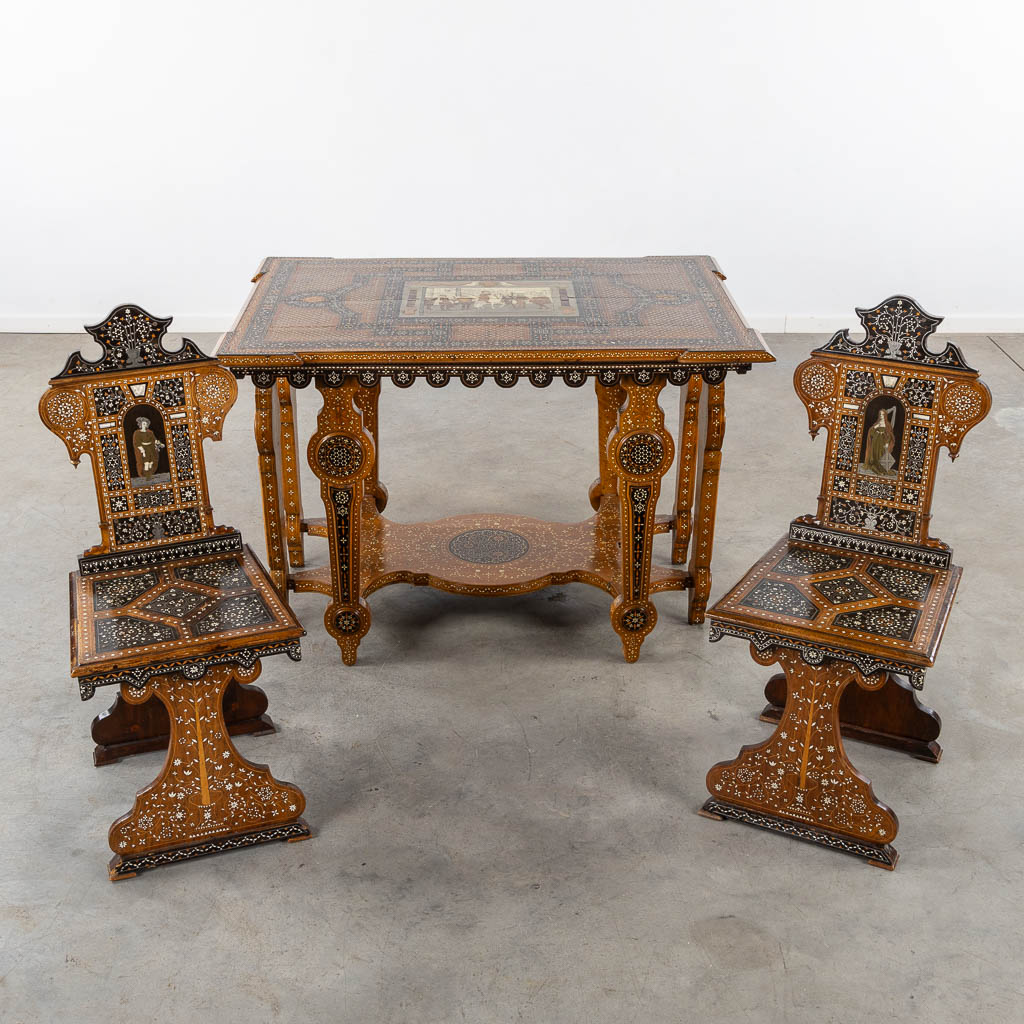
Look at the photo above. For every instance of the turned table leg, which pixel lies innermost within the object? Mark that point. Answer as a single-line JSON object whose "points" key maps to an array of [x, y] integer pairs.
{"points": [[706, 500], [890, 716], [343, 456], [686, 470], [800, 781], [639, 452], [609, 401], [268, 430], [125, 729], [290, 484], [207, 798]]}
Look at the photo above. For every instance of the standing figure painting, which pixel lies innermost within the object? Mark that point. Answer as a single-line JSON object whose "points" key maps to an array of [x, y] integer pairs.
{"points": [[879, 459], [147, 447]]}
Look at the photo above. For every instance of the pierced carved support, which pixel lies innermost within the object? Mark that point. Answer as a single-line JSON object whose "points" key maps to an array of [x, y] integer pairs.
{"points": [[800, 780], [638, 453], [713, 434], [609, 401], [207, 798], [891, 716], [368, 399], [125, 729], [268, 429], [290, 484], [343, 456], [686, 471]]}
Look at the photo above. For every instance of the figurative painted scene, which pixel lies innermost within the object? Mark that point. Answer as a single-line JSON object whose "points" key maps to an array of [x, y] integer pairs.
{"points": [[882, 440], [488, 298], [146, 442]]}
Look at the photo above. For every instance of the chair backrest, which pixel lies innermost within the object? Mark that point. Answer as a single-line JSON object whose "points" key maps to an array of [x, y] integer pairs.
{"points": [[141, 413], [889, 404]]}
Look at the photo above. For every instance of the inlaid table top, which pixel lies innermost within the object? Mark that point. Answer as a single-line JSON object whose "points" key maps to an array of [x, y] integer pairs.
{"points": [[653, 311]]}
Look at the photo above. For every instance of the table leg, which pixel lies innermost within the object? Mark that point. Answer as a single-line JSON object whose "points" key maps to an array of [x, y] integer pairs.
{"points": [[890, 716], [686, 471], [800, 782], [290, 485], [639, 452], [207, 798], [268, 430], [609, 401], [367, 399], [343, 456], [706, 499]]}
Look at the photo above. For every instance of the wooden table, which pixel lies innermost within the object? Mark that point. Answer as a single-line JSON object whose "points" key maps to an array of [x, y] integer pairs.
{"points": [[633, 325]]}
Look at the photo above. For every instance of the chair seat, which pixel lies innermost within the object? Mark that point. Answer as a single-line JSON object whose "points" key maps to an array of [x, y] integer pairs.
{"points": [[173, 611], [880, 607]]}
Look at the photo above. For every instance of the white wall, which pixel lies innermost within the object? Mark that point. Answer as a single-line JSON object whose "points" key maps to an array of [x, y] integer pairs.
{"points": [[827, 153]]}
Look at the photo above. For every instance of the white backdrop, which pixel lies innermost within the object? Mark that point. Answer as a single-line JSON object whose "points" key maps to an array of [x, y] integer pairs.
{"points": [[828, 154]]}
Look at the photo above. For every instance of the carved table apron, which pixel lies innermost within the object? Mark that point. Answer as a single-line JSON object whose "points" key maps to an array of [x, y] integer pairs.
{"points": [[633, 325]]}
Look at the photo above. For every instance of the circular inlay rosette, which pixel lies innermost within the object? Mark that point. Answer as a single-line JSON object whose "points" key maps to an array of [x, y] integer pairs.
{"points": [[962, 402], [347, 621], [637, 618], [817, 380], [488, 547], [339, 456], [641, 454]]}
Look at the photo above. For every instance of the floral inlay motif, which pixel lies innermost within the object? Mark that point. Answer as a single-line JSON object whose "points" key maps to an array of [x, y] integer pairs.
{"points": [[225, 573], [109, 401], [919, 392], [859, 383], [175, 602], [818, 380], [846, 443], [489, 547], [182, 441], [113, 467], [170, 393]]}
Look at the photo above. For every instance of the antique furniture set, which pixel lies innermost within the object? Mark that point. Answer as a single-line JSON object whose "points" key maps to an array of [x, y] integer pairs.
{"points": [[177, 611]]}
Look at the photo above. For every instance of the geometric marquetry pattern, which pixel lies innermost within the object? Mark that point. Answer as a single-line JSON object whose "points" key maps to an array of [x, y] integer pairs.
{"points": [[840, 596], [176, 605]]}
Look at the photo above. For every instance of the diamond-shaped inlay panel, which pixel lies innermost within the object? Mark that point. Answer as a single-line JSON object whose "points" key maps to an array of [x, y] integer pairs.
{"points": [[843, 590], [175, 602], [784, 598]]}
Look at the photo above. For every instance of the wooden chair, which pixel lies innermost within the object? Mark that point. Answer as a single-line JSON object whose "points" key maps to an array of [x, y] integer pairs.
{"points": [[168, 605], [857, 593]]}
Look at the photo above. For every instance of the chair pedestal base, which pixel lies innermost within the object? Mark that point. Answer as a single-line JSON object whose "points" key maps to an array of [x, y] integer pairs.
{"points": [[890, 717], [881, 855], [207, 797], [125, 729]]}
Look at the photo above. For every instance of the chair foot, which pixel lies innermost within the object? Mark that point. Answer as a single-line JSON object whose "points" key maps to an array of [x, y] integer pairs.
{"points": [[881, 855], [121, 868]]}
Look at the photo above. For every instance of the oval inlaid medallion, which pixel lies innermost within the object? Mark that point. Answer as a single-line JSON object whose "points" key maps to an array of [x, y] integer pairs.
{"points": [[489, 547]]}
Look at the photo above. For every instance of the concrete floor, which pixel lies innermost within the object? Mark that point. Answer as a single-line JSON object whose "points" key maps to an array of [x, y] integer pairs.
{"points": [[504, 811]]}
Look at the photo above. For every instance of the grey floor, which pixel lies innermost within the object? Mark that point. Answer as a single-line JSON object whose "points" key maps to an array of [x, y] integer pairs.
{"points": [[505, 811]]}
